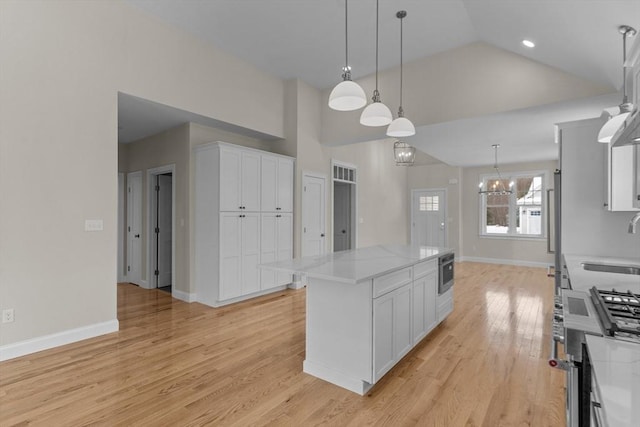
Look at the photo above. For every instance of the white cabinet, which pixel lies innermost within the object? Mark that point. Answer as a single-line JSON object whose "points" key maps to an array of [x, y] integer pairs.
{"points": [[229, 227], [622, 167], [445, 304], [276, 240], [277, 184], [425, 291], [239, 180], [391, 329], [239, 254]]}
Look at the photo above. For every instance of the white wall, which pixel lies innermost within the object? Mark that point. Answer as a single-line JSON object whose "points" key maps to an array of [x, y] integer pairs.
{"points": [[587, 227], [63, 64]]}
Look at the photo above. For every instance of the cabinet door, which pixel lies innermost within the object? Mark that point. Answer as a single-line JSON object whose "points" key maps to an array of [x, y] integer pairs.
{"points": [[419, 309], [230, 256], [250, 181], [285, 244], [431, 303], [250, 249], [230, 188], [383, 317], [285, 185], [268, 190], [402, 337], [268, 249]]}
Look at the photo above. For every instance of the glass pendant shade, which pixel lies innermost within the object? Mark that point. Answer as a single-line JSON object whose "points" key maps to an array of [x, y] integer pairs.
{"points": [[347, 96], [611, 127], [403, 153], [401, 127], [376, 114]]}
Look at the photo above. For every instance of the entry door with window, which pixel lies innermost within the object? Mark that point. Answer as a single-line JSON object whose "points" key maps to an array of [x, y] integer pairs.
{"points": [[428, 225]]}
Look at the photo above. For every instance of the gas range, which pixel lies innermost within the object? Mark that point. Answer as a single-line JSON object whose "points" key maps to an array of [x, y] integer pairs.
{"points": [[618, 312]]}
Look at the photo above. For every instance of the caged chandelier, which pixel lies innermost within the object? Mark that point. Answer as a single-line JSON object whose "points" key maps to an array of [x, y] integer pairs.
{"points": [[497, 188]]}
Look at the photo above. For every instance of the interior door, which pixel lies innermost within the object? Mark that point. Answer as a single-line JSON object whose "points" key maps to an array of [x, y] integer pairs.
{"points": [[313, 215], [134, 228], [429, 225], [164, 227], [341, 216]]}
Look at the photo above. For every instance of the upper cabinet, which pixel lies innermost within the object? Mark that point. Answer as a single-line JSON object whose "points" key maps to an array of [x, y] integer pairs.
{"points": [[622, 176], [239, 180], [277, 184]]}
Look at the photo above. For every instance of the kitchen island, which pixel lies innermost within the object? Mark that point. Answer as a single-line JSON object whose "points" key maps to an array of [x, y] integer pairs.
{"points": [[367, 308]]}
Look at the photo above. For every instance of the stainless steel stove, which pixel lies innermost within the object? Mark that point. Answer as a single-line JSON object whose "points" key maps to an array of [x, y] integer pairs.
{"points": [[607, 313], [619, 313]]}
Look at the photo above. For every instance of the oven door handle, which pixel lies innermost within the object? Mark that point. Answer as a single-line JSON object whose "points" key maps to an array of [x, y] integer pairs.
{"points": [[557, 333]]}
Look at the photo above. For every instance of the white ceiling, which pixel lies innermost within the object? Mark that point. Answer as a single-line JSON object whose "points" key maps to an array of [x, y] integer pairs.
{"points": [[305, 39]]}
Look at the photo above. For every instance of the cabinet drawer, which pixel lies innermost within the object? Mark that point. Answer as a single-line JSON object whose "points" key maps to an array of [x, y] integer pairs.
{"points": [[424, 268], [445, 305], [391, 281]]}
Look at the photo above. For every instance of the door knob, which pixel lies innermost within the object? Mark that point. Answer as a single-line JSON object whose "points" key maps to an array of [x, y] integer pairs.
{"points": [[322, 235], [137, 236], [344, 231]]}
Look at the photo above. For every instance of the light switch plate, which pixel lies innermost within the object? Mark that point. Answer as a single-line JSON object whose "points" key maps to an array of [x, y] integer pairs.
{"points": [[93, 225]]}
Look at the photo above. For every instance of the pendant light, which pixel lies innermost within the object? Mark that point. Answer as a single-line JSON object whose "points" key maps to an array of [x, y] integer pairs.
{"points": [[347, 95], [497, 188], [376, 113], [401, 126], [623, 110], [403, 153]]}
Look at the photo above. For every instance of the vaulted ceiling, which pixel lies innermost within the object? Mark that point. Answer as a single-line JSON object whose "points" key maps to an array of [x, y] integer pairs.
{"points": [[304, 39]]}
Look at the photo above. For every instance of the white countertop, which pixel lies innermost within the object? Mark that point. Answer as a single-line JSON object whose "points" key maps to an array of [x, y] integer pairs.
{"points": [[616, 366], [582, 279], [356, 265]]}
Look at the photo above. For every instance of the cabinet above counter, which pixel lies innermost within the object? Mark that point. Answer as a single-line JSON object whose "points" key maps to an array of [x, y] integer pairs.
{"points": [[356, 265]]}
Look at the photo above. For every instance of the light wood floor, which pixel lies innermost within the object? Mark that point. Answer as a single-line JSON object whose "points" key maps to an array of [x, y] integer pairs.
{"points": [[179, 364]]}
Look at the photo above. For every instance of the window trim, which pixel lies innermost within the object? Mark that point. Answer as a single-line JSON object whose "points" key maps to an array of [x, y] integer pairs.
{"points": [[509, 176]]}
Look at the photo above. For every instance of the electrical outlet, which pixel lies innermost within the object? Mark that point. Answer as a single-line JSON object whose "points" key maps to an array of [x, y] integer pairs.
{"points": [[7, 315]]}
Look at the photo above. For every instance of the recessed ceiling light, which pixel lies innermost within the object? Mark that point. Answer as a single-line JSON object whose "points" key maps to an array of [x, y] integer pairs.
{"points": [[528, 43]]}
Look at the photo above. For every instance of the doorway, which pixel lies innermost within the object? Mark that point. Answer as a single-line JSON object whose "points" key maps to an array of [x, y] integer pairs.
{"points": [[161, 248], [429, 217], [344, 206], [313, 214], [133, 273]]}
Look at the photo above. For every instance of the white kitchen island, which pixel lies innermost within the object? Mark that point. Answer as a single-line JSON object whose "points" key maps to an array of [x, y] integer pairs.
{"points": [[367, 308]]}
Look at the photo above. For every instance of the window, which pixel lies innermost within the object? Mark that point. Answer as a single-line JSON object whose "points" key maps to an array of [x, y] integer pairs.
{"points": [[519, 214], [429, 203]]}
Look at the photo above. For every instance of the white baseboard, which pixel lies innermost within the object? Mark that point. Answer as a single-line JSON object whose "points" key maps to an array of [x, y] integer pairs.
{"points": [[183, 296], [298, 282], [33, 345], [520, 263]]}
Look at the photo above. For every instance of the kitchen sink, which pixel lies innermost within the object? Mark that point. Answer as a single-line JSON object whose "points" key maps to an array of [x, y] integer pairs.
{"points": [[611, 268]]}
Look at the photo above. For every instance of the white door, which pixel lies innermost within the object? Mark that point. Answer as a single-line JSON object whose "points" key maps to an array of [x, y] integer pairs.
{"points": [[428, 218], [285, 244], [134, 228], [250, 249], [313, 215], [285, 185], [230, 255], [230, 189], [164, 223], [341, 216]]}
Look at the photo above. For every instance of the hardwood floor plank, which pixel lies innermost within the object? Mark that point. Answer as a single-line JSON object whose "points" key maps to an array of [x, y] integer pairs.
{"points": [[174, 363]]}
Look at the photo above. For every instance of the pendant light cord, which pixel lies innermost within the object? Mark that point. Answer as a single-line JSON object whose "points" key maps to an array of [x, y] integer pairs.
{"points": [[346, 37], [377, 19], [400, 111], [624, 75]]}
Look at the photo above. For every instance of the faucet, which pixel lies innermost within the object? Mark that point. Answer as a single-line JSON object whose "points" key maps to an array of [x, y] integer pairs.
{"points": [[633, 222]]}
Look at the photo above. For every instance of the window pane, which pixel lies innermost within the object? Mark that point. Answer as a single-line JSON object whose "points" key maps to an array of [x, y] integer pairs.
{"points": [[497, 219]]}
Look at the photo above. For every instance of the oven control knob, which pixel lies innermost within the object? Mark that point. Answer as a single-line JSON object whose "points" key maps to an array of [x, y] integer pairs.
{"points": [[558, 315]]}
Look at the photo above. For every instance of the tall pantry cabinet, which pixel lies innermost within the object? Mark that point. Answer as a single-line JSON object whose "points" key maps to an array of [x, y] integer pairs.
{"points": [[243, 217]]}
